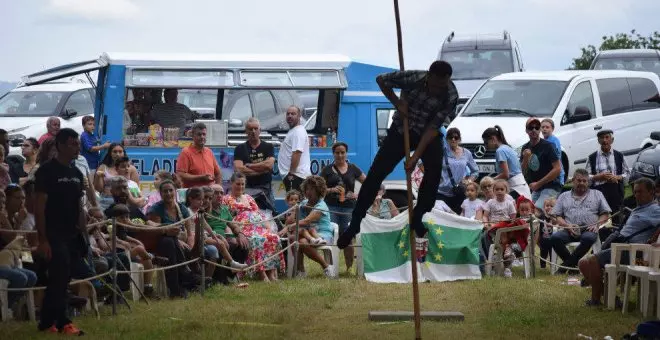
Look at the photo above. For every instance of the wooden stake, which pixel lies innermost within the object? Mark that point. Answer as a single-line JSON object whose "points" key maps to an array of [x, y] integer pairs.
{"points": [[406, 147]]}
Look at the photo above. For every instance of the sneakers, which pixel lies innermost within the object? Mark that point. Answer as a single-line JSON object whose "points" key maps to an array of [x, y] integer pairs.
{"points": [[237, 265], [70, 329], [517, 263], [329, 272], [507, 272]]}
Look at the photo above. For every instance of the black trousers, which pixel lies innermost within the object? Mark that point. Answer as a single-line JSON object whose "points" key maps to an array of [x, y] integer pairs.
{"points": [[168, 246], [614, 197], [453, 202], [239, 254], [387, 158], [64, 253]]}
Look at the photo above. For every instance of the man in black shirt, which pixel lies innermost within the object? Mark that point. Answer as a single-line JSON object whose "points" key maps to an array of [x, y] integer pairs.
{"points": [[61, 225], [255, 159], [540, 165]]}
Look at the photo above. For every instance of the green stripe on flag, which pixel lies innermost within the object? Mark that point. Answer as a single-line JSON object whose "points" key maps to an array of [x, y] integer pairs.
{"points": [[449, 245], [386, 250]]}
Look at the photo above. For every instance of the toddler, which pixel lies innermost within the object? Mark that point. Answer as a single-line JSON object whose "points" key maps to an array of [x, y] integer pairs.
{"points": [[472, 204], [545, 231]]}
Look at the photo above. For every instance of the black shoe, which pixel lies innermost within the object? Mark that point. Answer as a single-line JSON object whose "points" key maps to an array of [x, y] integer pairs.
{"points": [[149, 292], [346, 237]]}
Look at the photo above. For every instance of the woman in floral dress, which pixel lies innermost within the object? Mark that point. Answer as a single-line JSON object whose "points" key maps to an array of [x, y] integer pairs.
{"points": [[263, 243]]}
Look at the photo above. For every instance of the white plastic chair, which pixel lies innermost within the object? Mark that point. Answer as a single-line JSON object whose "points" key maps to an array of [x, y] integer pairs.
{"points": [[495, 252], [654, 277], [595, 248], [359, 256], [612, 271], [640, 272], [331, 252], [138, 279]]}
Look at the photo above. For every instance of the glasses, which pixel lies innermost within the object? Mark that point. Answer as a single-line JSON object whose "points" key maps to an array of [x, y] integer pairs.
{"points": [[534, 127], [454, 137]]}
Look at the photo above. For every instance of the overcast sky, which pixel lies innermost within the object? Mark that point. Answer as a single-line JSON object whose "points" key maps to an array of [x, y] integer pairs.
{"points": [[42, 33]]}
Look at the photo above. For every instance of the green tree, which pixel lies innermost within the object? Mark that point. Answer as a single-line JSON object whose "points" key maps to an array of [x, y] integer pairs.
{"points": [[613, 42]]}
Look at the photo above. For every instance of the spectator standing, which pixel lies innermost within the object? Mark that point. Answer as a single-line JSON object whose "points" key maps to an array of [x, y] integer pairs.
{"points": [[455, 176], [608, 170], [91, 143], [293, 159], [255, 159], [340, 177], [641, 227], [547, 129], [60, 221], [581, 211], [540, 165], [507, 164], [53, 127], [196, 165]]}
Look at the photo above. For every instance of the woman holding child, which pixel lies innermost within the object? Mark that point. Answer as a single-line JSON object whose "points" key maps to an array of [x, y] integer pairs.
{"points": [[250, 222]]}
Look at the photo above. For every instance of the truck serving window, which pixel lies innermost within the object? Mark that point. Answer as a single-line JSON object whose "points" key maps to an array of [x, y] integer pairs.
{"points": [[478, 64]]}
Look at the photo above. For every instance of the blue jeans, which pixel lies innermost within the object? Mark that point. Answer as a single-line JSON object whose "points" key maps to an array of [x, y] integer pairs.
{"points": [[18, 278], [562, 237], [341, 216]]}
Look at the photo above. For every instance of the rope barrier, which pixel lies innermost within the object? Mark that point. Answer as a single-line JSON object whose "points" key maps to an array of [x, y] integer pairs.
{"points": [[256, 264], [248, 223], [158, 268], [75, 282]]}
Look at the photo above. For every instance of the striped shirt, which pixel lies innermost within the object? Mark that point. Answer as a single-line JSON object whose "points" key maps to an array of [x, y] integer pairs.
{"points": [[171, 115], [424, 108], [582, 211], [605, 163]]}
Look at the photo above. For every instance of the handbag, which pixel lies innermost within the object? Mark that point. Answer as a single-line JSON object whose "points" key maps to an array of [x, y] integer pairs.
{"points": [[457, 189]]}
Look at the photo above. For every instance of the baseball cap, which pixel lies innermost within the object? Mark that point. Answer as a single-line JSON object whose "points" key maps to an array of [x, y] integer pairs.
{"points": [[532, 120]]}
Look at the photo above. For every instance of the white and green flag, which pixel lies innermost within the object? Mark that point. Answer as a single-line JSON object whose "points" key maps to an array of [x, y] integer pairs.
{"points": [[453, 248]]}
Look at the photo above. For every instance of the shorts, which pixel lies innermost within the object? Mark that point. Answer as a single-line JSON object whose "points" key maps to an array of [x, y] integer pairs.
{"points": [[341, 216], [539, 197], [292, 182]]}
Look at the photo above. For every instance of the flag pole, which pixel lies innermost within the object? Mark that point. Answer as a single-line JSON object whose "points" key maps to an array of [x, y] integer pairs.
{"points": [[406, 147]]}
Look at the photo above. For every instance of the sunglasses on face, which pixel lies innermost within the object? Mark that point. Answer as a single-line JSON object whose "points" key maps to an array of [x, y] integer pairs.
{"points": [[534, 127], [454, 137]]}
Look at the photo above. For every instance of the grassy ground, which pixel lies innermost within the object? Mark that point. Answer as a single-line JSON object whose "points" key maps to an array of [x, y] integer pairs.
{"points": [[317, 308]]}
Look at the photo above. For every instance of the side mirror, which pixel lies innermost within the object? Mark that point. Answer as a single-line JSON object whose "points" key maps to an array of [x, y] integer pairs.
{"points": [[234, 122], [581, 114], [655, 135], [68, 113]]}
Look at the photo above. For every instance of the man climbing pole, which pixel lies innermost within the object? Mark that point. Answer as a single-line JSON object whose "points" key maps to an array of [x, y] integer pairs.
{"points": [[428, 99]]}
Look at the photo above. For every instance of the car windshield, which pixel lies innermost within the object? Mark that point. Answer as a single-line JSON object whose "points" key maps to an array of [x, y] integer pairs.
{"points": [[199, 99], [478, 64], [29, 103], [631, 64], [538, 98]]}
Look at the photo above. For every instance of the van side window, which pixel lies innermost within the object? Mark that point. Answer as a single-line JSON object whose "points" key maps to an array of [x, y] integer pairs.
{"points": [[581, 99], [642, 90], [614, 95], [383, 123], [81, 102]]}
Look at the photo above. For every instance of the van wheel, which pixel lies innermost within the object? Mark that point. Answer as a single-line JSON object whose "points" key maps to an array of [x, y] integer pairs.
{"points": [[399, 198]]}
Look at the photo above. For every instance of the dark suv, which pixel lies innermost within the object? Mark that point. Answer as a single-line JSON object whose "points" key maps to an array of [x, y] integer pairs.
{"points": [[647, 163]]}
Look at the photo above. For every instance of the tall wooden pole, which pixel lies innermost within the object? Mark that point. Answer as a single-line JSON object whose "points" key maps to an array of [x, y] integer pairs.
{"points": [[406, 147]]}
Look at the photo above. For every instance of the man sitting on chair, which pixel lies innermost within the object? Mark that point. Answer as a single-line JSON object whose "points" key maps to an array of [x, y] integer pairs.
{"points": [[580, 211], [641, 227]]}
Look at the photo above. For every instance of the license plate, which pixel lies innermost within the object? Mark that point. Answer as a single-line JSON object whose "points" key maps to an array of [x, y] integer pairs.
{"points": [[487, 168]]}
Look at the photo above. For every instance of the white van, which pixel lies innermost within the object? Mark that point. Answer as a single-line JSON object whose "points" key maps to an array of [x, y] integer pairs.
{"points": [[25, 110], [579, 102]]}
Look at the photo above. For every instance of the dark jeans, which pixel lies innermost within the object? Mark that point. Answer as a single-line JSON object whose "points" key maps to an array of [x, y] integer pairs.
{"points": [[168, 246], [545, 246], [387, 158], [454, 203], [64, 253], [239, 254], [614, 197], [559, 240], [292, 182]]}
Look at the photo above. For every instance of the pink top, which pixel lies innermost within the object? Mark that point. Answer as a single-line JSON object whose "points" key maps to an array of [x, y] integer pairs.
{"points": [[153, 198]]}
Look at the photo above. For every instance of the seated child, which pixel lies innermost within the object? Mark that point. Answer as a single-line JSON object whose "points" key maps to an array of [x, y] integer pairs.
{"points": [[472, 204], [543, 236], [292, 198]]}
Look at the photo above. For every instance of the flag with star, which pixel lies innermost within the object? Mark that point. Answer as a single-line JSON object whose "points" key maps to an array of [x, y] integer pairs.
{"points": [[453, 252]]}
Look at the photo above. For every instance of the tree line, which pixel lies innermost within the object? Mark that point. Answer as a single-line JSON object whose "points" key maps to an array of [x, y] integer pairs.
{"points": [[632, 40]]}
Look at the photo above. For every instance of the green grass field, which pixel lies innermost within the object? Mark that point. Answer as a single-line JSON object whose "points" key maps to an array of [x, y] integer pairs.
{"points": [[317, 308]]}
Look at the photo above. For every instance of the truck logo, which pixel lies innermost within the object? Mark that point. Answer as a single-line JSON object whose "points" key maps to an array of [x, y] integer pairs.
{"points": [[480, 151]]}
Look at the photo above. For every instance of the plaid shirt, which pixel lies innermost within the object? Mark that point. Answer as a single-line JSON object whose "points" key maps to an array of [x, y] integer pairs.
{"points": [[425, 110], [605, 163]]}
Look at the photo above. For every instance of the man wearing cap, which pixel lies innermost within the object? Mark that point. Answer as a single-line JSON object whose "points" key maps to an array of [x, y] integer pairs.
{"points": [[608, 170], [540, 165]]}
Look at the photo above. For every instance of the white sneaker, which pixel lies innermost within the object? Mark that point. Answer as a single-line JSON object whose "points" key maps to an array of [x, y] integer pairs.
{"points": [[329, 272], [237, 265], [507, 272], [517, 263]]}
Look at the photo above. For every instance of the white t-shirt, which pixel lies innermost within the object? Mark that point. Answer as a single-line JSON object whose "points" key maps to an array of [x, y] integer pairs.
{"points": [[470, 208], [295, 140], [442, 206], [499, 211]]}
